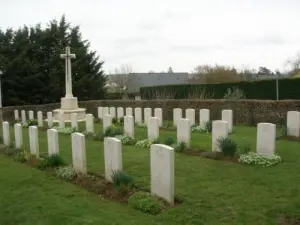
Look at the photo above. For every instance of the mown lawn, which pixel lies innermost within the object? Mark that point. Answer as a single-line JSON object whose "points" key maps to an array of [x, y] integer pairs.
{"points": [[214, 192]]}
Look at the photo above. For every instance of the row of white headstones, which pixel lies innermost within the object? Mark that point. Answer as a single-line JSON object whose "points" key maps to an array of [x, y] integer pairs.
{"points": [[161, 157]]}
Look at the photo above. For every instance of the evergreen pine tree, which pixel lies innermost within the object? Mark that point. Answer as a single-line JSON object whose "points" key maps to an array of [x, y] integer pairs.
{"points": [[34, 72]]}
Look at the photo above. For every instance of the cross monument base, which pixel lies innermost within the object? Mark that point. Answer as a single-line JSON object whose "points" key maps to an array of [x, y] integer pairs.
{"points": [[69, 105]]}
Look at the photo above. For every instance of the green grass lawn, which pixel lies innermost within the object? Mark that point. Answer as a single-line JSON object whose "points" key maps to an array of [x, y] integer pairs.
{"points": [[214, 192]]}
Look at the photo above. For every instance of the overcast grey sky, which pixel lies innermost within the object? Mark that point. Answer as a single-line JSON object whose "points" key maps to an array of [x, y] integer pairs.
{"points": [[156, 34]]}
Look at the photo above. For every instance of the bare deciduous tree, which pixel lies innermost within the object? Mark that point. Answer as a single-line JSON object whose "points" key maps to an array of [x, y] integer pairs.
{"points": [[293, 65], [123, 77]]}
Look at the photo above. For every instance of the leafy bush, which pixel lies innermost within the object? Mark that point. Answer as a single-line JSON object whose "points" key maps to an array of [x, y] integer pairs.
{"points": [[234, 94], [122, 181], [197, 128], [180, 147], [141, 125], [121, 120], [208, 126], [145, 202], [22, 156], [227, 146], [146, 143], [253, 158], [169, 141], [66, 173], [126, 140], [65, 130], [51, 161], [244, 149], [114, 120], [112, 131]]}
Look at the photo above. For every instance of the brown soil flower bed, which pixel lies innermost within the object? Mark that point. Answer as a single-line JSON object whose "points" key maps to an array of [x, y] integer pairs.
{"points": [[284, 220], [211, 155], [99, 186], [289, 138]]}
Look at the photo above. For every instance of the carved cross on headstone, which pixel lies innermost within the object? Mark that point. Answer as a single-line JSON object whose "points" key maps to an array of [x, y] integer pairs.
{"points": [[68, 56]]}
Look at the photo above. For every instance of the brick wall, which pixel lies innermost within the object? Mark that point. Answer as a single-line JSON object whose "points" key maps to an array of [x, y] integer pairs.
{"points": [[248, 112]]}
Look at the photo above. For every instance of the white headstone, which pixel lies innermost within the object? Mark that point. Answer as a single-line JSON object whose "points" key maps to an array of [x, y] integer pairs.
{"points": [[31, 115], [6, 133], [266, 138], [34, 141], [129, 111], [112, 112], [100, 112], [158, 114], [23, 116], [184, 131], [107, 121], [190, 115], [120, 112], [18, 136], [74, 123], [227, 116], [78, 153], [129, 126], [153, 128], [204, 117], [219, 130], [16, 113], [112, 157], [177, 114], [105, 111], [138, 115], [53, 144], [49, 119], [89, 122], [293, 123], [40, 119], [61, 120], [162, 172], [147, 114]]}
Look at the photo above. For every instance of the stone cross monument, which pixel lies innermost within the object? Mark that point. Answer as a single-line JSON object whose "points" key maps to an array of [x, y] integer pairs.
{"points": [[69, 104]]}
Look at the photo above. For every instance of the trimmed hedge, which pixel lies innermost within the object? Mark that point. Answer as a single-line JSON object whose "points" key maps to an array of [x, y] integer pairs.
{"points": [[248, 112], [264, 89]]}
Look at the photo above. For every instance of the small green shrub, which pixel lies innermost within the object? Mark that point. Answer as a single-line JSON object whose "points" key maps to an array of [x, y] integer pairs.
{"points": [[54, 160], [112, 131], [141, 125], [253, 158], [114, 120], [65, 130], [227, 146], [169, 141], [22, 156], [126, 140], [197, 128], [121, 120], [180, 147], [244, 149], [167, 124], [208, 126], [65, 173], [122, 181], [145, 202], [146, 143]]}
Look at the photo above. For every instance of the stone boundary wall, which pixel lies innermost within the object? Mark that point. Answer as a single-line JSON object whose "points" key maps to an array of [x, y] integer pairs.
{"points": [[248, 112]]}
